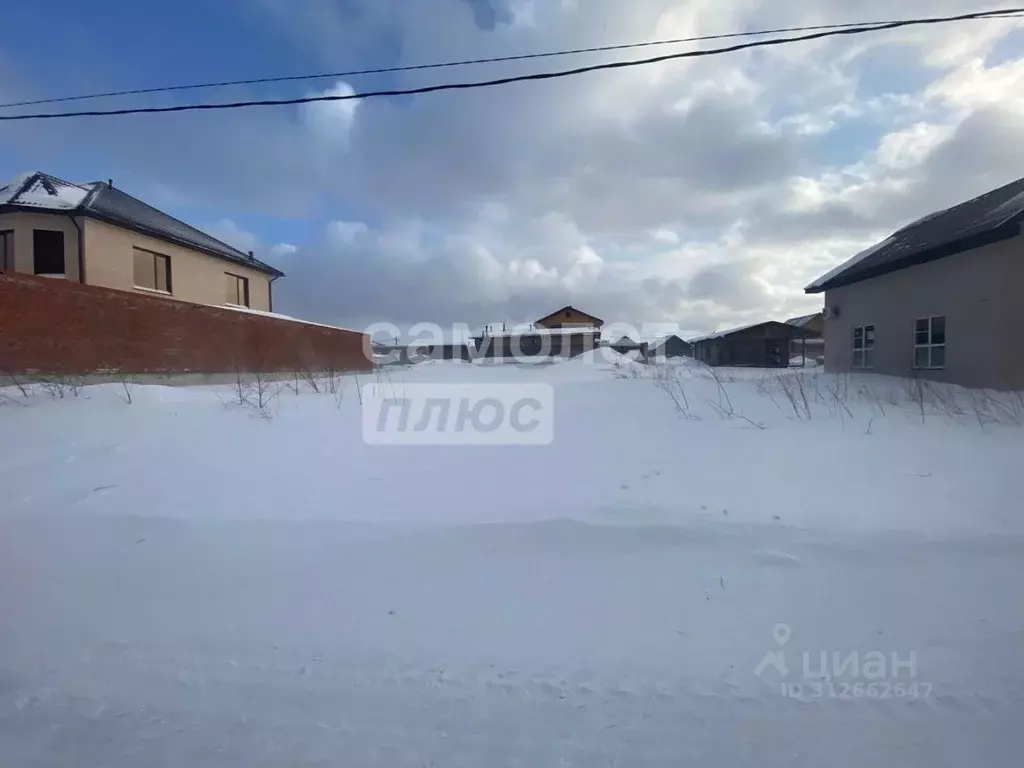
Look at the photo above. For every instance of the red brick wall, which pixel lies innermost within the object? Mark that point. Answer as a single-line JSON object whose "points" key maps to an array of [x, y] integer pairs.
{"points": [[53, 326]]}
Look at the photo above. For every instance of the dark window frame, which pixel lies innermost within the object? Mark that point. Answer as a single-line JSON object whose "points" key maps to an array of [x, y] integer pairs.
{"points": [[864, 338], [929, 345], [157, 259], [240, 280], [41, 256], [6, 250]]}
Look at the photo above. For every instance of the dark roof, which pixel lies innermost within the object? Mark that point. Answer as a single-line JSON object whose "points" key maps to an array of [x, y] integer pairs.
{"points": [[735, 331], [987, 219], [663, 340], [801, 322], [101, 201]]}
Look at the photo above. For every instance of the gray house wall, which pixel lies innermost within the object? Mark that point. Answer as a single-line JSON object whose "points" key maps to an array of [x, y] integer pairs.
{"points": [[981, 295]]}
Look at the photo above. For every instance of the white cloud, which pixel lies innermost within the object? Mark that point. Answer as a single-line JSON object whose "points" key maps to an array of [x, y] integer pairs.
{"points": [[234, 235], [705, 192], [331, 122], [283, 249]]}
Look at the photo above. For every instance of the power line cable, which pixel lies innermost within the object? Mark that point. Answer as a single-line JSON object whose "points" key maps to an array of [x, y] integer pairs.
{"points": [[468, 62], [1012, 13]]}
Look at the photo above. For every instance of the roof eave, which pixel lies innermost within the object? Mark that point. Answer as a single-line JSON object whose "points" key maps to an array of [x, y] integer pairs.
{"points": [[241, 260], [1005, 231]]}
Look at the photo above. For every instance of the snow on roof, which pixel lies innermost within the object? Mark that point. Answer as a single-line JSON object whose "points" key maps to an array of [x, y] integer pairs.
{"points": [[852, 261], [800, 322], [533, 331], [721, 334], [982, 220], [657, 341], [289, 318], [12, 187], [40, 190]]}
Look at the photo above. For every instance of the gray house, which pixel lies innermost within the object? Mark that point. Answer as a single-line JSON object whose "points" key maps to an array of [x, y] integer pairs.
{"points": [[940, 299], [763, 345], [670, 346]]}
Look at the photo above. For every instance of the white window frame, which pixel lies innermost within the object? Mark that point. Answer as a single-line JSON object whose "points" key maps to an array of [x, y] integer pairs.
{"points": [[866, 349], [931, 345]]}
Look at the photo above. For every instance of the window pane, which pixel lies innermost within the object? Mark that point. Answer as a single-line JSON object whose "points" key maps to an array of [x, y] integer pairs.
{"points": [[920, 357], [144, 273], [858, 338], [921, 325], [869, 336], [938, 330], [858, 358], [938, 357], [48, 247], [921, 337], [7, 250], [231, 289], [243, 291], [162, 268], [869, 358]]}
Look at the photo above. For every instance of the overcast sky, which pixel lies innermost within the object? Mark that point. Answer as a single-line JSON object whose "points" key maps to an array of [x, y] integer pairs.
{"points": [[704, 193]]}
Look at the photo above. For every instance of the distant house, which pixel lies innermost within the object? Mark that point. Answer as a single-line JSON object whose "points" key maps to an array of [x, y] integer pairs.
{"points": [[99, 235], [764, 345], [569, 317], [626, 344], [533, 342], [939, 299], [567, 332], [808, 342], [813, 326], [669, 346]]}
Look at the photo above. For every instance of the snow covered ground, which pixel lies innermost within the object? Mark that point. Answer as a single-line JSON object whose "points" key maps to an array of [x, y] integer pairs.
{"points": [[184, 581]]}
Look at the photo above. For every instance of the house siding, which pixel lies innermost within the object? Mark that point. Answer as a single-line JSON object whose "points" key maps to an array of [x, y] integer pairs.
{"points": [[763, 346], [979, 293], [195, 276], [22, 225], [109, 259], [572, 319]]}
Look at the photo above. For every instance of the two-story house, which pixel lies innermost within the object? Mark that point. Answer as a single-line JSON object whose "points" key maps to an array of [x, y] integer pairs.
{"points": [[99, 235]]}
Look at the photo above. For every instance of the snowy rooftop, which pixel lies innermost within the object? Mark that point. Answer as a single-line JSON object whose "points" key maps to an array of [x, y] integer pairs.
{"points": [[800, 322], [991, 217], [729, 332], [529, 330], [36, 190], [40, 190]]}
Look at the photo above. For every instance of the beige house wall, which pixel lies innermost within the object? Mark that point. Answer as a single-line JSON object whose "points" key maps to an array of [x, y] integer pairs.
{"points": [[195, 276], [23, 224], [979, 293], [109, 259]]}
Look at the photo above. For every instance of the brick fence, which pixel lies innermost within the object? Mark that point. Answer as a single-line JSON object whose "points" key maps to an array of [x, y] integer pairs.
{"points": [[52, 326]]}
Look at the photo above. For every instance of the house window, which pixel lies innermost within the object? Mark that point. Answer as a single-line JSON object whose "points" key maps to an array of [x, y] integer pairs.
{"points": [[6, 250], [930, 342], [864, 346], [237, 290], [152, 271], [48, 252]]}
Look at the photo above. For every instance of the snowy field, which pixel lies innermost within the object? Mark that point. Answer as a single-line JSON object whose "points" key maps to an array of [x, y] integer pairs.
{"points": [[188, 581]]}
